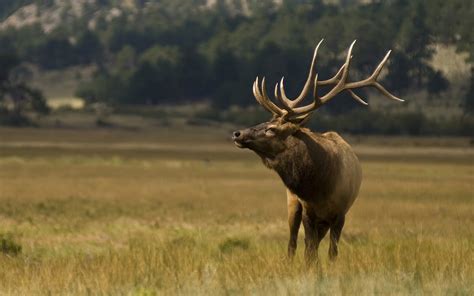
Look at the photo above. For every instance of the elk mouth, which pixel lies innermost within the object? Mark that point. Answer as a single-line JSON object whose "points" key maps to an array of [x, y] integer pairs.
{"points": [[240, 144]]}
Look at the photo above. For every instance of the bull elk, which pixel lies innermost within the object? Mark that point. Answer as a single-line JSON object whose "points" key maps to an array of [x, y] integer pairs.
{"points": [[321, 172]]}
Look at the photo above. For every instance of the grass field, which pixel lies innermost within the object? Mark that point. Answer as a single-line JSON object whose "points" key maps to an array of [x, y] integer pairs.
{"points": [[184, 212]]}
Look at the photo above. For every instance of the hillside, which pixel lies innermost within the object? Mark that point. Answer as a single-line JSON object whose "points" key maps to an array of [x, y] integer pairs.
{"points": [[174, 52], [52, 13]]}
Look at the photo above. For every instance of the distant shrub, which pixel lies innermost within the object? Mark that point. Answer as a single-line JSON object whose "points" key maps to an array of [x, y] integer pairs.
{"points": [[356, 122], [200, 122], [466, 127], [100, 122], [236, 115], [8, 246], [232, 244], [16, 120]]}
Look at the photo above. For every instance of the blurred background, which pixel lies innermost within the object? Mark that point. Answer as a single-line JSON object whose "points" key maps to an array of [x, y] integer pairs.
{"points": [[123, 179], [138, 63]]}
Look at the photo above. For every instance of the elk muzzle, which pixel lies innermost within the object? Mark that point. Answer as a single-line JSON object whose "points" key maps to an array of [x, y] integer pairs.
{"points": [[239, 139]]}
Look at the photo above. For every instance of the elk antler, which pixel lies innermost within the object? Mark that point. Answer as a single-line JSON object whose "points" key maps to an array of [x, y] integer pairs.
{"points": [[292, 113], [263, 99]]}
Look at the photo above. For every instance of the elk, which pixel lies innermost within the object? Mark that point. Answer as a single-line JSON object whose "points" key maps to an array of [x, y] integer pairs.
{"points": [[321, 172]]}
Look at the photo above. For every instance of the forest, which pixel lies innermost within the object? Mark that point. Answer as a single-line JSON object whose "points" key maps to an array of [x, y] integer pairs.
{"points": [[181, 52]]}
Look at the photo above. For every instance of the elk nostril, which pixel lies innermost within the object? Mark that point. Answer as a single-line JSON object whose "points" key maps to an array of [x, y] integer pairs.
{"points": [[236, 134]]}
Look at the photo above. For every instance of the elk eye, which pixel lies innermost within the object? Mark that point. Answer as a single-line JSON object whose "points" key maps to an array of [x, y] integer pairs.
{"points": [[270, 132]]}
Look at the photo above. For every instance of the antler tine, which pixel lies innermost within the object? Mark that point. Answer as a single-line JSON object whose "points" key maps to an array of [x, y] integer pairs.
{"points": [[262, 97], [338, 88], [357, 98], [315, 87], [283, 100], [340, 79], [334, 79], [256, 94], [345, 72], [302, 117], [386, 92], [307, 86], [301, 114], [372, 80], [267, 99], [380, 66], [282, 97]]}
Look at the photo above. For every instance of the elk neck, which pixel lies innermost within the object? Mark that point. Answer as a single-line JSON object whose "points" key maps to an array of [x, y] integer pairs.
{"points": [[307, 166]]}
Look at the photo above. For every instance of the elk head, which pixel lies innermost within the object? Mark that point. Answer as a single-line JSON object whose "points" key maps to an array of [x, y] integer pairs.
{"points": [[269, 139]]}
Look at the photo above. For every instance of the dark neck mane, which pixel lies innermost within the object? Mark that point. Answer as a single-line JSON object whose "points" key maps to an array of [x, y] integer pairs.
{"points": [[306, 166]]}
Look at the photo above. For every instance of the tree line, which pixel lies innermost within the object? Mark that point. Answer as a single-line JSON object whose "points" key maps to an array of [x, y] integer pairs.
{"points": [[180, 51]]}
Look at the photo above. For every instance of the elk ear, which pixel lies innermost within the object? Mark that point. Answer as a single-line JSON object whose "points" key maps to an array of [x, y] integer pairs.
{"points": [[290, 128], [271, 130]]}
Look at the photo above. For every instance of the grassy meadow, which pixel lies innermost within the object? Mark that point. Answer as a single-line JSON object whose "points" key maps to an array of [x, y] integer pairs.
{"points": [[182, 211]]}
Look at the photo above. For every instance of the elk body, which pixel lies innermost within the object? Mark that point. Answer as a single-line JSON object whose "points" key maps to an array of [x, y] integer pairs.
{"points": [[320, 171]]}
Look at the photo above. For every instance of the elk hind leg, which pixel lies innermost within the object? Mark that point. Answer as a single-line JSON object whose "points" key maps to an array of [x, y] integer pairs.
{"points": [[294, 221], [335, 235]]}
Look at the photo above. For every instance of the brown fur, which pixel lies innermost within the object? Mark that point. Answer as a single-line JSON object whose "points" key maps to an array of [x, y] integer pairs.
{"points": [[322, 175], [321, 171]]}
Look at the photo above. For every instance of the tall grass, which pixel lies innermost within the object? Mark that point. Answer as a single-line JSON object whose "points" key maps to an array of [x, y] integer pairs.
{"points": [[137, 221]]}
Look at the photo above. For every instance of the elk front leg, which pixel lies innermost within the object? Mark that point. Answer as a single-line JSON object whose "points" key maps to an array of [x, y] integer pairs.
{"points": [[315, 230], [336, 230], [294, 221]]}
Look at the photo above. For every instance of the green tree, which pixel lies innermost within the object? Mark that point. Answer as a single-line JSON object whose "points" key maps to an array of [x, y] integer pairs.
{"points": [[409, 65], [88, 48], [16, 97], [468, 104], [55, 53]]}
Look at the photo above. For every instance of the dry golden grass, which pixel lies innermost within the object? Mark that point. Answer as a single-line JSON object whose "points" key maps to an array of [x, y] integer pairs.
{"points": [[114, 212]]}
